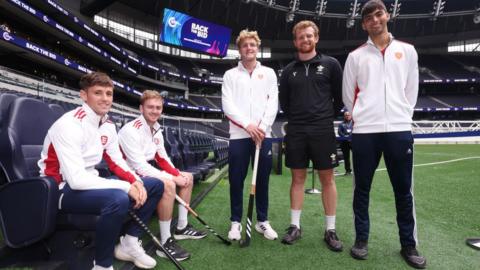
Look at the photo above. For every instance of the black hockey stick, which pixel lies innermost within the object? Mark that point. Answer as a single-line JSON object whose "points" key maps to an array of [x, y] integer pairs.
{"points": [[248, 227], [155, 240], [182, 202]]}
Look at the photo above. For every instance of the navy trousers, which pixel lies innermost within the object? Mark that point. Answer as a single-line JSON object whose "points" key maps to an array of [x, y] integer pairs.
{"points": [[112, 206], [397, 150], [241, 153]]}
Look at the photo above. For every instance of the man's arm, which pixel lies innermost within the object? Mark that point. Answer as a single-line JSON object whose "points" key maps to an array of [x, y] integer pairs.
{"points": [[349, 83], [283, 94], [336, 87], [272, 104], [114, 158], [67, 142], [228, 103], [411, 88]]}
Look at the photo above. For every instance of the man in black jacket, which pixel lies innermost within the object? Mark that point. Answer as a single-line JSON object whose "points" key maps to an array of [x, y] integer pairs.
{"points": [[311, 95], [345, 134]]}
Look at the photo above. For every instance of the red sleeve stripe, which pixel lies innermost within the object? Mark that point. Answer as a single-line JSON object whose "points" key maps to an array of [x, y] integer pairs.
{"points": [[235, 123], [117, 170], [164, 165], [52, 166], [357, 90], [137, 124]]}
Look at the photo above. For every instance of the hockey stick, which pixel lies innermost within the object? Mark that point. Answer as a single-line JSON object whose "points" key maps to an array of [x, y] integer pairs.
{"points": [[248, 228], [155, 240], [182, 202]]}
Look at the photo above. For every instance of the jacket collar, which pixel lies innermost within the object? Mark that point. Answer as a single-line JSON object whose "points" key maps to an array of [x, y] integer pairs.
{"points": [[156, 126], [315, 59], [92, 117], [242, 68], [370, 42]]}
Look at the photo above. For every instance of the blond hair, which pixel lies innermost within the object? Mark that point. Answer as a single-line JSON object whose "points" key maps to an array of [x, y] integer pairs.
{"points": [[150, 94], [244, 34], [305, 24]]}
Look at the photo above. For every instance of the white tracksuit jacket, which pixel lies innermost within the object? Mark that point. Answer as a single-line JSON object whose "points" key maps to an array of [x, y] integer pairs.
{"points": [[140, 144], [380, 90], [75, 144], [250, 99]]}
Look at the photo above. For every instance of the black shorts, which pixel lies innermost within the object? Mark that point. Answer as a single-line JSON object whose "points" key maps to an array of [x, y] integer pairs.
{"points": [[303, 146]]}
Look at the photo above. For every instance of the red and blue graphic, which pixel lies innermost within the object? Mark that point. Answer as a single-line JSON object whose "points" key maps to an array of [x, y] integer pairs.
{"points": [[183, 30]]}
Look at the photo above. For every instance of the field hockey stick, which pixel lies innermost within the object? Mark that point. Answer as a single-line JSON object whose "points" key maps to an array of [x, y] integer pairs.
{"points": [[155, 240], [182, 202], [248, 228]]}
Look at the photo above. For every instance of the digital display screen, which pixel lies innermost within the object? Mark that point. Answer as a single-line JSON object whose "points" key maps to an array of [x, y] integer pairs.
{"points": [[186, 31]]}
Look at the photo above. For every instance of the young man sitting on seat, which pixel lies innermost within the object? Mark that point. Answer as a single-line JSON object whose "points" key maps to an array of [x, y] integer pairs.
{"points": [[141, 141], [72, 148]]}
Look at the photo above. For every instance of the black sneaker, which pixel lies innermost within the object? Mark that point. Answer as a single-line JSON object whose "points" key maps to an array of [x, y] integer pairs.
{"points": [[188, 233], [333, 243], [411, 256], [359, 251], [174, 249], [293, 234]]}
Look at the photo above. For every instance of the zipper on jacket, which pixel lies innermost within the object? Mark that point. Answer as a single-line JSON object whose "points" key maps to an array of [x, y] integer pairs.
{"points": [[307, 66], [385, 87]]}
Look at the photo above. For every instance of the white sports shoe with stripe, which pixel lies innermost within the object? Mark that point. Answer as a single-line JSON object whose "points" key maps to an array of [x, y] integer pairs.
{"points": [[267, 230], [188, 233]]}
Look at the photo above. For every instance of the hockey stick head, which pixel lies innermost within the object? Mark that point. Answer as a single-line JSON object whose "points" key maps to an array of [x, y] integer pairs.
{"points": [[244, 243]]}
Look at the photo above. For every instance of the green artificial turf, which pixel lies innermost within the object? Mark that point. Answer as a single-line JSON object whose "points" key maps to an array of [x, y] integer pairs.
{"points": [[447, 198]]}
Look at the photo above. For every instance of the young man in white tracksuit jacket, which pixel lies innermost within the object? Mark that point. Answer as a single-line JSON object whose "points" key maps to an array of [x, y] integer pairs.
{"points": [[380, 88], [74, 144], [141, 141], [250, 102]]}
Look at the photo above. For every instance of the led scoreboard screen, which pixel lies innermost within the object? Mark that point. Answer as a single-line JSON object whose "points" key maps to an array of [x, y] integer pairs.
{"points": [[186, 31]]}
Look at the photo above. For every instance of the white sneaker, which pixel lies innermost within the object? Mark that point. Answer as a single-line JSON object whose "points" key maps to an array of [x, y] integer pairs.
{"points": [[134, 252], [235, 231], [265, 229]]}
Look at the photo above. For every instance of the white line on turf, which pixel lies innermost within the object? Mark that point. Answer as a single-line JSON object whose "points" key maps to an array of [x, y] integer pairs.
{"points": [[436, 163]]}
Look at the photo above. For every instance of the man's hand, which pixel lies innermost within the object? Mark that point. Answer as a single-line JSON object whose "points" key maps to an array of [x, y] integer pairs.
{"points": [[183, 179], [138, 194], [143, 192], [256, 133]]}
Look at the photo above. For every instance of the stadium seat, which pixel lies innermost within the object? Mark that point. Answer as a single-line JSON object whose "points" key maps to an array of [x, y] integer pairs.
{"points": [[5, 100], [57, 110], [21, 142], [64, 235]]}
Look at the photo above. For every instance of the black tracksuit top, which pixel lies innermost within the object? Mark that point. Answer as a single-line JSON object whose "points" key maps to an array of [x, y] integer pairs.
{"points": [[310, 92]]}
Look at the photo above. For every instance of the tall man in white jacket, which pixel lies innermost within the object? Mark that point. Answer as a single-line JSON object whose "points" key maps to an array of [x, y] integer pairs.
{"points": [[250, 101], [72, 147], [141, 141], [380, 88]]}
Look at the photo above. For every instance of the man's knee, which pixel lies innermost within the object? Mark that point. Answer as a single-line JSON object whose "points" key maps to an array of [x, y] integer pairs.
{"points": [[118, 203]]}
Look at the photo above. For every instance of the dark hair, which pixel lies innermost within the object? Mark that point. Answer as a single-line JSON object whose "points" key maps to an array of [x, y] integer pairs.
{"points": [[371, 6], [95, 78]]}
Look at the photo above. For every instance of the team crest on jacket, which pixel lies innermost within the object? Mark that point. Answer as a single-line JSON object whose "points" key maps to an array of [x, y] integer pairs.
{"points": [[260, 76], [398, 55], [320, 69], [104, 139], [156, 141]]}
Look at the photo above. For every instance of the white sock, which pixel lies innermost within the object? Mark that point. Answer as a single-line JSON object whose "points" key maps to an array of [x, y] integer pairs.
{"points": [[182, 217], [164, 230], [295, 217], [330, 222], [98, 267], [129, 240]]}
